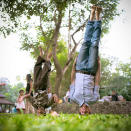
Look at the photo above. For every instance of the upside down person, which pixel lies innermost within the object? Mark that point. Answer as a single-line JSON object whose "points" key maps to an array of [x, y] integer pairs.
{"points": [[85, 75], [42, 70]]}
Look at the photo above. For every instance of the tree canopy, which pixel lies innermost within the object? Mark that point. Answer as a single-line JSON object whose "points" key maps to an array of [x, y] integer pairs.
{"points": [[13, 10]]}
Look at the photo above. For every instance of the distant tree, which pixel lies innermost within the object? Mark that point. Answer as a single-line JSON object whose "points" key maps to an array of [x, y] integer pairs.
{"points": [[106, 71], [18, 78], [12, 92], [119, 80], [122, 79]]}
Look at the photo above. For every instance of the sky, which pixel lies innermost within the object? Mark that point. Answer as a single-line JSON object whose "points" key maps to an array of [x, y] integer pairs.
{"points": [[14, 62], [117, 43]]}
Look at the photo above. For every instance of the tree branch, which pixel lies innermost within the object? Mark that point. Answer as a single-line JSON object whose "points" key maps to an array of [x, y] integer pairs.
{"points": [[54, 44], [43, 33], [70, 57], [54, 18], [73, 50], [76, 32]]}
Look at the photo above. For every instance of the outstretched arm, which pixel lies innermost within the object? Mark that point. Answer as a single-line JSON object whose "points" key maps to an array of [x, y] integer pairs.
{"points": [[31, 87], [98, 73], [27, 95], [73, 71], [20, 99]]}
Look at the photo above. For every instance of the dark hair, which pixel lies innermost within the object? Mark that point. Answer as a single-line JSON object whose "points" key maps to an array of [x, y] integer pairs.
{"points": [[21, 91], [28, 77]]}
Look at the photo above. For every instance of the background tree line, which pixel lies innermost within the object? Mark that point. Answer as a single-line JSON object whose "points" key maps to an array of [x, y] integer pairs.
{"points": [[119, 80]]}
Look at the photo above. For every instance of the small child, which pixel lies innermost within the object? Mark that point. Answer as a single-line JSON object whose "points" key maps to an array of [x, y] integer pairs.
{"points": [[20, 105]]}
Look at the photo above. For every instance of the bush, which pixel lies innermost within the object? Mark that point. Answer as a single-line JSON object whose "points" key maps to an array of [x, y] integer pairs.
{"points": [[126, 93], [66, 122]]}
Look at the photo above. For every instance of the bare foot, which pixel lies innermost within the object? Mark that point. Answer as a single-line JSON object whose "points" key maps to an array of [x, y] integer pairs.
{"points": [[98, 11], [49, 56], [41, 51], [93, 8]]}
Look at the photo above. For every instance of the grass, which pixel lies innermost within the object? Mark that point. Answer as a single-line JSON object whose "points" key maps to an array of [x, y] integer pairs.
{"points": [[66, 122]]}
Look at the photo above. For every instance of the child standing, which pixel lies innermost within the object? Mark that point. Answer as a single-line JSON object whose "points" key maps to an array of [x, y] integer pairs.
{"points": [[20, 105]]}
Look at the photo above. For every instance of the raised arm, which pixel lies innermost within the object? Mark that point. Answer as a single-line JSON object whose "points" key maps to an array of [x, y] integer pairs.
{"points": [[98, 73], [73, 71]]}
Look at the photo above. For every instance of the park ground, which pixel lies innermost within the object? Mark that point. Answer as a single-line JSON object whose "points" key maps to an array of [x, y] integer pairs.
{"points": [[65, 122]]}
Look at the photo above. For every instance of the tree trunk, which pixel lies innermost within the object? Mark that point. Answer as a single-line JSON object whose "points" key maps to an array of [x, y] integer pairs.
{"points": [[69, 35], [55, 59], [59, 71], [59, 78]]}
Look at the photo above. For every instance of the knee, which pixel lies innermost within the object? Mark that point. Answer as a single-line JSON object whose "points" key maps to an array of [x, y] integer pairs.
{"points": [[95, 44], [86, 43]]}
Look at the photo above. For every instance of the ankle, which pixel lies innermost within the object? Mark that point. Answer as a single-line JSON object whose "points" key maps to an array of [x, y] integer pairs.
{"points": [[92, 16], [97, 15]]}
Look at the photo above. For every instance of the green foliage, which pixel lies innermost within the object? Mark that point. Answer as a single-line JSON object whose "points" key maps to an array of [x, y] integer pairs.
{"points": [[65, 122], [12, 92], [66, 81], [120, 80], [106, 64], [62, 52], [62, 55], [126, 93], [14, 10]]}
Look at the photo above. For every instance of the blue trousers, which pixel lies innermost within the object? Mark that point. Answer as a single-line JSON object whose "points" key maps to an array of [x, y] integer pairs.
{"points": [[87, 58]]}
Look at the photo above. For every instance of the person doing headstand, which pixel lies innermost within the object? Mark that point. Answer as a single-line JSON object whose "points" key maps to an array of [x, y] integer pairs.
{"points": [[85, 76], [42, 69]]}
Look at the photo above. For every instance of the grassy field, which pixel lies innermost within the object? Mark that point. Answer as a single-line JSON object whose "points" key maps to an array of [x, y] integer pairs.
{"points": [[65, 122]]}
